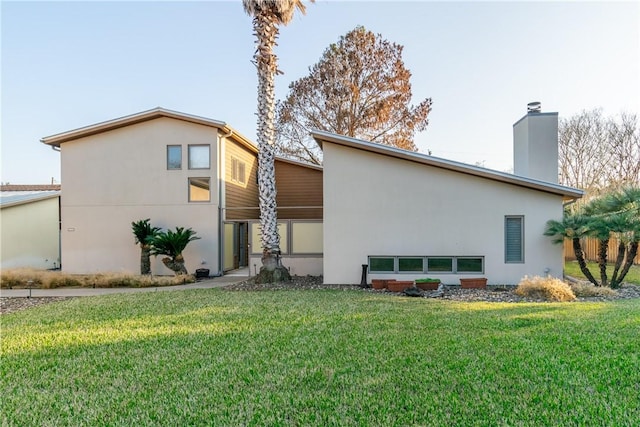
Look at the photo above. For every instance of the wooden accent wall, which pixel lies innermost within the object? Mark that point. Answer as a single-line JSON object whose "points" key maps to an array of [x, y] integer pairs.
{"points": [[298, 186], [237, 195]]}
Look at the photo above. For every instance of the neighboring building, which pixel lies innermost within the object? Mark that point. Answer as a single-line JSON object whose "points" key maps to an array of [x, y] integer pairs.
{"points": [[30, 226], [178, 170], [408, 215]]}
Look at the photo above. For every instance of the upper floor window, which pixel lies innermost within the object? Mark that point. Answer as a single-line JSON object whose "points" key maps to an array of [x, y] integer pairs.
{"points": [[199, 157], [174, 156], [199, 189], [513, 239], [238, 168]]}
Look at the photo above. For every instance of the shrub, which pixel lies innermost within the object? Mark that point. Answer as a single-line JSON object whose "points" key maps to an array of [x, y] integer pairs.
{"points": [[548, 288], [585, 289]]}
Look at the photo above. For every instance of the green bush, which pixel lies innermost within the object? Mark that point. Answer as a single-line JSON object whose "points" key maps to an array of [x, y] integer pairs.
{"points": [[548, 288]]}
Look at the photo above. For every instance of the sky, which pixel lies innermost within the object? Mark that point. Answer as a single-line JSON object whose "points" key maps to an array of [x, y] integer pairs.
{"points": [[66, 65]]}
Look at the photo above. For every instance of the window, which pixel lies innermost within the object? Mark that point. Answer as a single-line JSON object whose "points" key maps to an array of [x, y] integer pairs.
{"points": [[469, 265], [436, 264], [410, 264], [514, 239], [238, 171], [199, 157], [174, 156], [441, 265], [199, 189], [256, 235], [382, 264]]}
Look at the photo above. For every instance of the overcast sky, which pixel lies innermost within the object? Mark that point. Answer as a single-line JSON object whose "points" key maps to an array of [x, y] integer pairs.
{"points": [[70, 64]]}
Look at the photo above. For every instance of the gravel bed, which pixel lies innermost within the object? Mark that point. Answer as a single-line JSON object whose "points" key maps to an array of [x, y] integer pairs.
{"points": [[451, 293]]}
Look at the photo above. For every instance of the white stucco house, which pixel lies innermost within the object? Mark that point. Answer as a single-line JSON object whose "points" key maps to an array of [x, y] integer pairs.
{"points": [[30, 226], [178, 170], [408, 215], [405, 215]]}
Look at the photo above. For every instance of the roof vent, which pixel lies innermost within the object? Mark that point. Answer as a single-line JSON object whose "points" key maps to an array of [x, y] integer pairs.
{"points": [[534, 107]]}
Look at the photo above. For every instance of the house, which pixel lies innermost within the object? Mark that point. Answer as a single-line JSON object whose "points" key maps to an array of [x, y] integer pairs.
{"points": [[408, 215], [402, 214], [178, 170], [30, 226]]}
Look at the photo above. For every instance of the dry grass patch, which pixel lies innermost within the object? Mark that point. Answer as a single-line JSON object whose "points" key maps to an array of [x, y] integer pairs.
{"points": [[45, 279], [583, 289], [548, 288]]}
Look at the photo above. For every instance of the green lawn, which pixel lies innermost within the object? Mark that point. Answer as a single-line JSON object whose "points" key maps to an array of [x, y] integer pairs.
{"points": [[572, 269], [219, 358]]}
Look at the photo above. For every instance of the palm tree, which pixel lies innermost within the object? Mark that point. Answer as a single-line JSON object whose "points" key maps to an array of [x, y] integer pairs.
{"points": [[574, 227], [267, 16], [172, 244], [144, 232], [623, 210], [616, 214]]}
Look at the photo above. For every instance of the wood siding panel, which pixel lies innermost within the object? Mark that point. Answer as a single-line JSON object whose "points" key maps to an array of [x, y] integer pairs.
{"points": [[298, 186], [241, 199]]}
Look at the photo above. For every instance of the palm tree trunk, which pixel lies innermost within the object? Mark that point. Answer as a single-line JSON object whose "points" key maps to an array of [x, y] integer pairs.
{"points": [[266, 30], [631, 255], [175, 264], [145, 259], [577, 250], [603, 246], [622, 247]]}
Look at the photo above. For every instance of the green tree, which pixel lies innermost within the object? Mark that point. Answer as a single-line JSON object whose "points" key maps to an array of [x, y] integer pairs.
{"points": [[172, 244], [144, 233], [614, 214], [267, 16], [359, 88]]}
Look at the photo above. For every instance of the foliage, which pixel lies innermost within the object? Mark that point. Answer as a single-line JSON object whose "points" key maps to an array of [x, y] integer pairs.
{"points": [[144, 233], [598, 153], [548, 288], [45, 279], [171, 244], [614, 214], [318, 358], [359, 88]]}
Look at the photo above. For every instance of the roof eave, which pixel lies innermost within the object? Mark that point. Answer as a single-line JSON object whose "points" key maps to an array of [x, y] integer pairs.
{"points": [[57, 139], [567, 192]]}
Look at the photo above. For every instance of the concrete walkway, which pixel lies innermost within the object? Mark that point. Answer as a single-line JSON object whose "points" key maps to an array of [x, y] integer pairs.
{"points": [[216, 282]]}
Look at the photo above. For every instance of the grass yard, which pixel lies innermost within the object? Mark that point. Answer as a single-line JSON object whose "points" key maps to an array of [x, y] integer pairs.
{"points": [[213, 357], [572, 268]]}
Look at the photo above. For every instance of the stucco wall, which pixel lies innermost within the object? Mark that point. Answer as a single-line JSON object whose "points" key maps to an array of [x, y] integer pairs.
{"points": [[30, 235], [378, 205], [113, 178]]}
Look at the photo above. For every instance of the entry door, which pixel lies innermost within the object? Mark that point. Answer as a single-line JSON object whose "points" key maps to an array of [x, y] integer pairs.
{"points": [[243, 244]]}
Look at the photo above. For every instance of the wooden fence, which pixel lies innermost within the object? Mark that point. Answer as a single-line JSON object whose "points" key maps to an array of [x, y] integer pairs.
{"points": [[590, 248]]}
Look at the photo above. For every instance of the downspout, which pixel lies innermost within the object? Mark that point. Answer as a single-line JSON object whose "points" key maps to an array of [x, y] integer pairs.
{"points": [[221, 174]]}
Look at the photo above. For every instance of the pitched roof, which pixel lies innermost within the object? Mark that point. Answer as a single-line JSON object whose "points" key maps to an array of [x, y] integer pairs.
{"points": [[30, 187], [15, 198], [385, 150], [155, 113]]}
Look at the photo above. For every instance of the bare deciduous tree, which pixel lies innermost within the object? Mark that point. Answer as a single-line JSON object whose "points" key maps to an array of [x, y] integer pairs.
{"points": [[359, 88], [597, 152]]}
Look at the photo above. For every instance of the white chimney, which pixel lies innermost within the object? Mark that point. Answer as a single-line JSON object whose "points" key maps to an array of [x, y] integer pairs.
{"points": [[535, 145]]}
